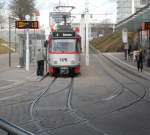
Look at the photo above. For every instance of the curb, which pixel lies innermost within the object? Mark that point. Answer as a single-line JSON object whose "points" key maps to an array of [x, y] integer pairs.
{"points": [[129, 68], [126, 67]]}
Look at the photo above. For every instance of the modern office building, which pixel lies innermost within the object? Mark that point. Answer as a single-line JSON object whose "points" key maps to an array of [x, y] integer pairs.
{"points": [[127, 7]]}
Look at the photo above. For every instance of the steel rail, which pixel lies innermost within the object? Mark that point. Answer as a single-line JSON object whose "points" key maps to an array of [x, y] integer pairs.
{"points": [[139, 97], [12, 129]]}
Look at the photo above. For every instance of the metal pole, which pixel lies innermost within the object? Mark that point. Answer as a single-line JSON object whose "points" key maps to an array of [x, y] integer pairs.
{"points": [[15, 40], [125, 41], [46, 59], [133, 6], [87, 39], [20, 50], [59, 2], [27, 46], [82, 30], [9, 42], [27, 50], [113, 27], [127, 51]]}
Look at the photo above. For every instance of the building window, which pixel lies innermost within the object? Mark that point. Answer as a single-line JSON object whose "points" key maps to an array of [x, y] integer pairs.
{"points": [[144, 2]]}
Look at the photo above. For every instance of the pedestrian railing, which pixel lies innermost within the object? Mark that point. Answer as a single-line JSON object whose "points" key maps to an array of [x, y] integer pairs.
{"points": [[12, 129]]}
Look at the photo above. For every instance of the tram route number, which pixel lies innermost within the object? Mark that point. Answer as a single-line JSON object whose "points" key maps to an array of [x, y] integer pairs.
{"points": [[63, 59]]}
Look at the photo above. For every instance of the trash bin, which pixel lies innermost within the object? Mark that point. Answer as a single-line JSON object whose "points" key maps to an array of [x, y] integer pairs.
{"points": [[21, 62]]}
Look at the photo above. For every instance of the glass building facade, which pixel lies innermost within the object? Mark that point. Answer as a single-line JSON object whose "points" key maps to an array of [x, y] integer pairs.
{"points": [[126, 7]]}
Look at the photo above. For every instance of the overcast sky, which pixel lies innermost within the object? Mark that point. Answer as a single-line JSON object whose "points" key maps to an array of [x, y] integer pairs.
{"points": [[101, 7]]}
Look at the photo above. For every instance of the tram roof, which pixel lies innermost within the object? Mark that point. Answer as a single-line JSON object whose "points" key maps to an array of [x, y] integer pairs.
{"points": [[133, 22]]}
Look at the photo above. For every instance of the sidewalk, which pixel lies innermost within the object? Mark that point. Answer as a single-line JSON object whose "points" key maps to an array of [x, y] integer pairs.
{"points": [[10, 76], [121, 57], [130, 65]]}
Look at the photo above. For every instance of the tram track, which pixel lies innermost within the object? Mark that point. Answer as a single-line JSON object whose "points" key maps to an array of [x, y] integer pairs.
{"points": [[68, 106], [21, 101], [35, 103], [46, 131], [69, 109], [81, 119], [20, 94], [134, 80], [139, 97]]}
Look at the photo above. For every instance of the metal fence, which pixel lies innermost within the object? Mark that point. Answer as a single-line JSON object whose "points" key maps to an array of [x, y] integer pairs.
{"points": [[12, 129]]}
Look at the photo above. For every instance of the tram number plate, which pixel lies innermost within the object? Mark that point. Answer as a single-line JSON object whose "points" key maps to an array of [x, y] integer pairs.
{"points": [[63, 59]]}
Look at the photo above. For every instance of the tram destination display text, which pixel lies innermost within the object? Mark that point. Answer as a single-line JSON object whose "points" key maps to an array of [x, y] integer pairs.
{"points": [[27, 24]]}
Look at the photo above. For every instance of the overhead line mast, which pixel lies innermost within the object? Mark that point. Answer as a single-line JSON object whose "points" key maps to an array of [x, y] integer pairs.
{"points": [[87, 32]]}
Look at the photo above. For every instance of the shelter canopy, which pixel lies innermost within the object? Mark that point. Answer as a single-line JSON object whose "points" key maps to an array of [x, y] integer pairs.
{"points": [[133, 22]]}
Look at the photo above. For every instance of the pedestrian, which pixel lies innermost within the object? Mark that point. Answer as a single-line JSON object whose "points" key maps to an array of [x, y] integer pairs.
{"points": [[140, 60], [40, 62], [129, 49]]}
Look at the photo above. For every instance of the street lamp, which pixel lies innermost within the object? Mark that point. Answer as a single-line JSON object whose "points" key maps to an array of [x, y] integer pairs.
{"points": [[9, 41], [27, 17]]}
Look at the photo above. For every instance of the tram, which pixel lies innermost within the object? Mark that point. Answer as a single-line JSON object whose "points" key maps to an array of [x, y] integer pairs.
{"points": [[64, 52]]}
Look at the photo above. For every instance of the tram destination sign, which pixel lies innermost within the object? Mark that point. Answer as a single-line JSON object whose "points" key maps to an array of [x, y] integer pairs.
{"points": [[63, 34], [27, 24]]}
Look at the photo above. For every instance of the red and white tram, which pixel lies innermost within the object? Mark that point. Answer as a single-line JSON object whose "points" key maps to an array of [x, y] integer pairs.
{"points": [[64, 49]]}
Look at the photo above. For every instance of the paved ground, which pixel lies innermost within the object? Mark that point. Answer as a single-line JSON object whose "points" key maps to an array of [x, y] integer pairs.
{"points": [[10, 76], [4, 61], [104, 100]]}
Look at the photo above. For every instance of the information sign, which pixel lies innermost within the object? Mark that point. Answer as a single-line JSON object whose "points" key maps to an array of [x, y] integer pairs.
{"points": [[27, 24], [63, 34], [125, 36]]}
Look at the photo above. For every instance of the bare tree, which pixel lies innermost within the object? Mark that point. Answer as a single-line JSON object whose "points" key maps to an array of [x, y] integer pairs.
{"points": [[20, 8]]}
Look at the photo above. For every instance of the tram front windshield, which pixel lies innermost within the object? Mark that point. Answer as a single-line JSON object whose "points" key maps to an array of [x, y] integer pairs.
{"points": [[63, 45]]}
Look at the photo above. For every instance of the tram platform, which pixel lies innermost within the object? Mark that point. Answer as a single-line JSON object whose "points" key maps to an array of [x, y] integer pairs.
{"points": [[130, 65]]}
